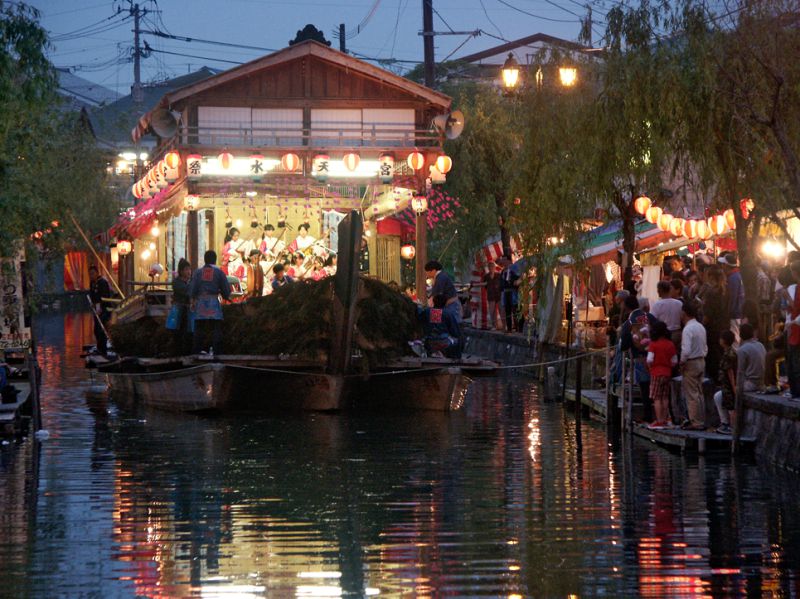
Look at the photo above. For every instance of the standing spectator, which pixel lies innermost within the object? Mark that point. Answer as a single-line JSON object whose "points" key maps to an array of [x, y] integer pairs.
{"points": [[793, 334], [208, 284], [725, 398], [693, 365], [661, 359], [635, 336], [676, 286], [493, 293], [99, 289], [715, 315], [735, 291], [668, 310], [510, 286], [615, 314], [180, 298]]}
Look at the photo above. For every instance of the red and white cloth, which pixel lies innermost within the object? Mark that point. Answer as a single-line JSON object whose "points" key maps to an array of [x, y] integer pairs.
{"points": [[490, 252]]}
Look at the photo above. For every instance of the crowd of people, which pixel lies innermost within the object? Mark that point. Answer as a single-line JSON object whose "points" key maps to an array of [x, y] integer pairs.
{"points": [[502, 285], [704, 330]]}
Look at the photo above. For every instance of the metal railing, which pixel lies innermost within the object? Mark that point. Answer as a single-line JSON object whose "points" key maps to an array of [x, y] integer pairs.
{"points": [[366, 136]]}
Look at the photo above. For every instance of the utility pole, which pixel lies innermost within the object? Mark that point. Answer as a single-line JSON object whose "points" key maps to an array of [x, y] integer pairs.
{"points": [[136, 89], [427, 40], [342, 41], [589, 27]]}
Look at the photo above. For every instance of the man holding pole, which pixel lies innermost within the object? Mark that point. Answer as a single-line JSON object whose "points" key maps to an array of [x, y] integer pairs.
{"points": [[99, 289]]}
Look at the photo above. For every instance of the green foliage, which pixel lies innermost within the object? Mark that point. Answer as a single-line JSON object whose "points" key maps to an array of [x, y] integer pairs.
{"points": [[49, 163]]}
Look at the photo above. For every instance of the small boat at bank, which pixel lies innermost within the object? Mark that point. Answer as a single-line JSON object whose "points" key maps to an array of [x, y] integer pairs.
{"points": [[343, 381]]}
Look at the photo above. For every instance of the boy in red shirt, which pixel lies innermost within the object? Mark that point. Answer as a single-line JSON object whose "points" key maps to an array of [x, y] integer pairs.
{"points": [[661, 359]]}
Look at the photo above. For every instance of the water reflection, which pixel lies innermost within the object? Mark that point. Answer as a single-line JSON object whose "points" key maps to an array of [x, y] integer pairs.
{"points": [[497, 500]]}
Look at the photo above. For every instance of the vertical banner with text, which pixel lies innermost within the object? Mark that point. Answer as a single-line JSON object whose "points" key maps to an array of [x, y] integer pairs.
{"points": [[14, 332]]}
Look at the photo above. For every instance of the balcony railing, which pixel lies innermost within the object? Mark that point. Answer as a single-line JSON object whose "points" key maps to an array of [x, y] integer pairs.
{"points": [[378, 137]]}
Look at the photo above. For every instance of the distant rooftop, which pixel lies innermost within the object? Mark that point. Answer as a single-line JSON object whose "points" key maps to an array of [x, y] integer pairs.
{"points": [[113, 123], [82, 93], [498, 54]]}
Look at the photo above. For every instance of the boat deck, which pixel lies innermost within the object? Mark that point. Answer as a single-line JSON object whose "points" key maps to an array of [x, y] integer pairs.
{"points": [[11, 413], [594, 399]]}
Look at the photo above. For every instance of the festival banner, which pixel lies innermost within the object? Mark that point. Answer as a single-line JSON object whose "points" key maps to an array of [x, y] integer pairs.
{"points": [[14, 332]]}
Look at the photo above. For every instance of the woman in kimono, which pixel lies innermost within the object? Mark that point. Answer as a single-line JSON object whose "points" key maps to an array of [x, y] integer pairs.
{"points": [[232, 258], [303, 240]]}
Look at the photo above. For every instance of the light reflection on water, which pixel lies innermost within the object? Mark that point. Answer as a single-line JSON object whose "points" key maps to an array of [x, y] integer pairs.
{"points": [[493, 501]]}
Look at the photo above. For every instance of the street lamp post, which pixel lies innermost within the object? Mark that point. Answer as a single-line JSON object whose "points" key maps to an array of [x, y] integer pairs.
{"points": [[510, 73], [420, 206]]}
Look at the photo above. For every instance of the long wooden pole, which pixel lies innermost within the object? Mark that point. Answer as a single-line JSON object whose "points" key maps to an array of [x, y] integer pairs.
{"points": [[96, 257]]}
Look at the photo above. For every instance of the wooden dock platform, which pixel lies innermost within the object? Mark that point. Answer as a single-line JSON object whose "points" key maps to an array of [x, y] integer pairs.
{"points": [[694, 441], [594, 399]]}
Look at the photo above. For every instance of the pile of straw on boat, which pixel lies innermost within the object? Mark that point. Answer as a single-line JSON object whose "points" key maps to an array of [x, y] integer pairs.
{"points": [[295, 320]]}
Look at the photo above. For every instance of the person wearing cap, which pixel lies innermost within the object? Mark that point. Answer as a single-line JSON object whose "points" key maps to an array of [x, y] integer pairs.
{"points": [[443, 285], [254, 274], [735, 291]]}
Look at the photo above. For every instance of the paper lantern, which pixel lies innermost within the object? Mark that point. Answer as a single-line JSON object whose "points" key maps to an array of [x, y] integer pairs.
{"points": [[171, 173], [641, 204], [161, 174], [290, 162], [416, 160], [320, 167], [124, 247], [386, 168], [172, 159], [408, 252], [730, 218], [350, 161], [690, 228], [653, 213], [225, 160], [256, 167], [136, 190], [717, 224], [746, 206], [437, 177], [676, 226], [664, 221], [419, 204], [702, 230], [444, 163], [191, 202], [194, 167]]}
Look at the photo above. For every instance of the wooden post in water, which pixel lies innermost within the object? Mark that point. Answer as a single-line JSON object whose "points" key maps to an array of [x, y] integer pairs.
{"points": [[345, 287], [566, 347], [33, 376], [578, 403]]}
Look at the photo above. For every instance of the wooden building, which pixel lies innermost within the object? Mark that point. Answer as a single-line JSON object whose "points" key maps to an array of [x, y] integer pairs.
{"points": [[299, 136]]}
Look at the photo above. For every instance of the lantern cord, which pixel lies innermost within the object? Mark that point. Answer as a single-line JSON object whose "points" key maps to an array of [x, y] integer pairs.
{"points": [[96, 257]]}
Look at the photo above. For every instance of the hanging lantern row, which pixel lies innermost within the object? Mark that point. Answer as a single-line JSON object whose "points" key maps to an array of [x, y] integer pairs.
{"points": [[160, 175], [704, 228]]}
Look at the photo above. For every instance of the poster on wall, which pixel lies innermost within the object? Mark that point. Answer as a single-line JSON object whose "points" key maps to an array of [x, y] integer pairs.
{"points": [[15, 331], [330, 225]]}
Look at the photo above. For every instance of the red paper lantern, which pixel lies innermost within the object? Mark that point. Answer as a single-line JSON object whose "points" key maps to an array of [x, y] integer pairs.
{"points": [[124, 247], [416, 160], [676, 226], [444, 163], [641, 204], [664, 221], [746, 206], [225, 160], [350, 161], [172, 159], [136, 190], [653, 213], [290, 162]]}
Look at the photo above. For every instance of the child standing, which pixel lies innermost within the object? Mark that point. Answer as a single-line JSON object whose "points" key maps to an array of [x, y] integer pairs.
{"points": [[724, 398], [661, 359]]}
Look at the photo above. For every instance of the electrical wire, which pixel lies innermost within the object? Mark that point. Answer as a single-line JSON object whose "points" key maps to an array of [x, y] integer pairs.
{"points": [[86, 29], [196, 56], [488, 18], [182, 38], [530, 14]]}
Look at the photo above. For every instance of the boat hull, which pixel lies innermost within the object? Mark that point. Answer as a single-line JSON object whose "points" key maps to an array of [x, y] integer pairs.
{"points": [[266, 389], [436, 389], [195, 389]]}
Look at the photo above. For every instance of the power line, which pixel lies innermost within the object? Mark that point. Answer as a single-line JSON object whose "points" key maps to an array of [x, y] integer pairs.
{"points": [[530, 14], [488, 18], [182, 38], [195, 56]]}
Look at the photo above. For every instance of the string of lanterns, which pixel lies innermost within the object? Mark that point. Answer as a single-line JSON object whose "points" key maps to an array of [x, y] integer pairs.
{"points": [[704, 228], [158, 177]]}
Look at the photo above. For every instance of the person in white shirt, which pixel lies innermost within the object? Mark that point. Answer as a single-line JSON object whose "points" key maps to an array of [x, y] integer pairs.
{"points": [[303, 240], [668, 310], [271, 245], [693, 365]]}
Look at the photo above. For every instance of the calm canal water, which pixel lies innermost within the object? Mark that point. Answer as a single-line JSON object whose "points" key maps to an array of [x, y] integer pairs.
{"points": [[494, 501]]}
